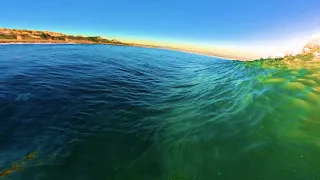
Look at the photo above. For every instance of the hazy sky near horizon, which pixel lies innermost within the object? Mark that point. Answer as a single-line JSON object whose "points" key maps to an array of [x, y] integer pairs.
{"points": [[201, 22]]}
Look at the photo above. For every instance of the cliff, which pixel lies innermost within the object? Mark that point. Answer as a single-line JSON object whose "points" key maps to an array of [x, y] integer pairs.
{"points": [[34, 36]]}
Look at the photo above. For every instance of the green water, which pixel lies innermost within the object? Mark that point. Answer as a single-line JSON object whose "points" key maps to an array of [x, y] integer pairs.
{"points": [[107, 112]]}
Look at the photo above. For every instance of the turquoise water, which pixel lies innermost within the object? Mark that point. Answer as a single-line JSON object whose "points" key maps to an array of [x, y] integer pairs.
{"points": [[122, 113]]}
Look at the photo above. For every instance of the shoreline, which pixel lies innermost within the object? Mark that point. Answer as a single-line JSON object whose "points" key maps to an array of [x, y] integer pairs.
{"points": [[5, 41], [8, 42], [204, 54], [25, 36]]}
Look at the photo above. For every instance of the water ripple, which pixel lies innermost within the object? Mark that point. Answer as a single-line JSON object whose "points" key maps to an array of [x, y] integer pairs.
{"points": [[94, 111]]}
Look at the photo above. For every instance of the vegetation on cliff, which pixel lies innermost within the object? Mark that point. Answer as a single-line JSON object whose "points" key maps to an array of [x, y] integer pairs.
{"points": [[8, 36], [21, 35]]}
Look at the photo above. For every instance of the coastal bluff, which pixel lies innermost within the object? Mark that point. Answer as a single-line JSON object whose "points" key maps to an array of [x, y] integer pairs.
{"points": [[36, 36]]}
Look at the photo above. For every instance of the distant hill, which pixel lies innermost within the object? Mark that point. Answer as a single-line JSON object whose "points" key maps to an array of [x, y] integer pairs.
{"points": [[34, 36]]}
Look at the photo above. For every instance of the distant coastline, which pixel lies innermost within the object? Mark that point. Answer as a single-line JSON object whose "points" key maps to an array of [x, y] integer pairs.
{"points": [[37, 36], [2, 41], [23, 36]]}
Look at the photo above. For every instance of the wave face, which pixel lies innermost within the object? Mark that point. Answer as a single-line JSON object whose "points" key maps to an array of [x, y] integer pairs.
{"points": [[122, 113]]}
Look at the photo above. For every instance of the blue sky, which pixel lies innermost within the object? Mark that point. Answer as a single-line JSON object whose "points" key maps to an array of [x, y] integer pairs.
{"points": [[194, 21]]}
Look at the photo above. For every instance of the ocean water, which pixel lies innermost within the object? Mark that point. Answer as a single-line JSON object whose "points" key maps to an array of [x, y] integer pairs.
{"points": [[122, 113]]}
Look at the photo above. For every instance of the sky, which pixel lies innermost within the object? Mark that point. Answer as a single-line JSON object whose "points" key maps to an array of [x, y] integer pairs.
{"points": [[263, 26]]}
